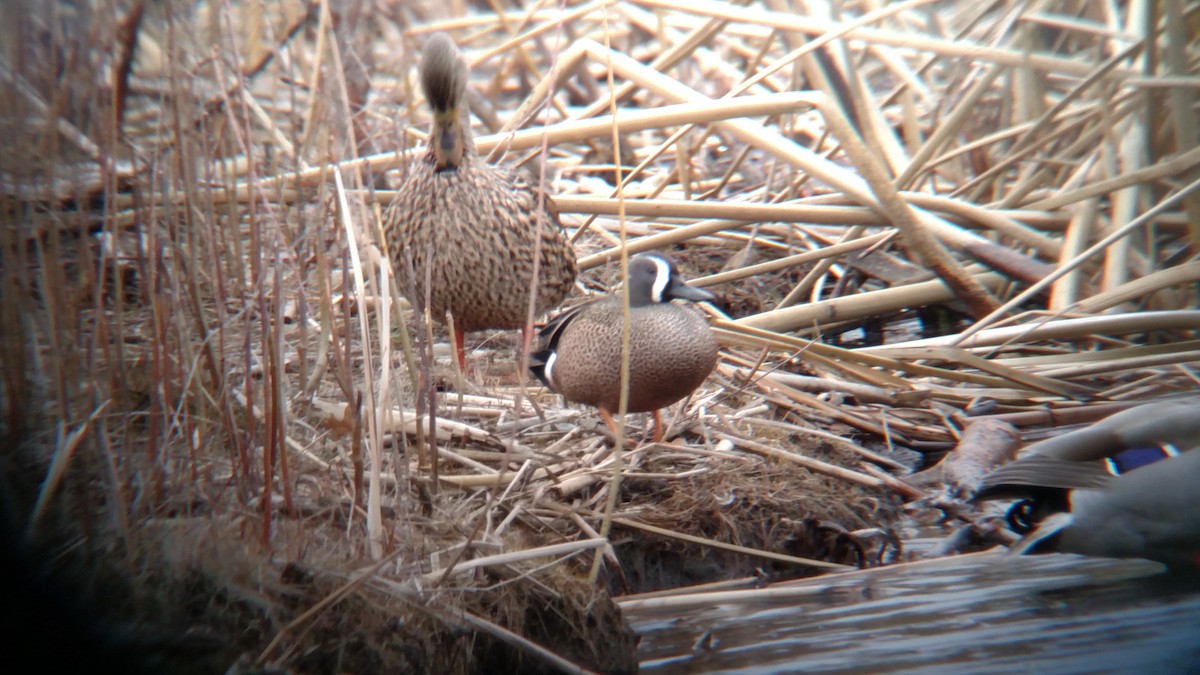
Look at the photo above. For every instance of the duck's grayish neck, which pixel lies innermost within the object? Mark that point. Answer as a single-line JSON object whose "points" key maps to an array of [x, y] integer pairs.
{"points": [[450, 140]]}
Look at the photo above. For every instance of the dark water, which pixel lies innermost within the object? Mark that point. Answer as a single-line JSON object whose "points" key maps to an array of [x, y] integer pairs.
{"points": [[983, 613]]}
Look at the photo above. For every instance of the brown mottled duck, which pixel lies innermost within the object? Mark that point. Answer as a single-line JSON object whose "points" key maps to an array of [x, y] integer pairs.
{"points": [[472, 229], [672, 348]]}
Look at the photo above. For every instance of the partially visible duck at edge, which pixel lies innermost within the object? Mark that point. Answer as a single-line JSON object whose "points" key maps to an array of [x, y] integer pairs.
{"points": [[1092, 492]]}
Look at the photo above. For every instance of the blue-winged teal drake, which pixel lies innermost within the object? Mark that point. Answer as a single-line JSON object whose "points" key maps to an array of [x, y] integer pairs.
{"points": [[1091, 491], [471, 228], [672, 348]]}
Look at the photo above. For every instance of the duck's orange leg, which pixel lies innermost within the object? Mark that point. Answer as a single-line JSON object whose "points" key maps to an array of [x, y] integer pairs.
{"points": [[656, 437], [612, 426], [458, 349], [658, 427], [608, 419]]}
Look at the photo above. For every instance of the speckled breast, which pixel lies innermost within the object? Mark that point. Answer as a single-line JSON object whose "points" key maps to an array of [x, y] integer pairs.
{"points": [[672, 351], [473, 229]]}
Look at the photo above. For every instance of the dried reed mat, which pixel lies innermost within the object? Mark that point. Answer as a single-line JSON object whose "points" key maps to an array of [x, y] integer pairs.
{"points": [[225, 420]]}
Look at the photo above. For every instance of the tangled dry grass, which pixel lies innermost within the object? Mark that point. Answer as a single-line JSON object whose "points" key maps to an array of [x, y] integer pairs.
{"points": [[220, 418]]}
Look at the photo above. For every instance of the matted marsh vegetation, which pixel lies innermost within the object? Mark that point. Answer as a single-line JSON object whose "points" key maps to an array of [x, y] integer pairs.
{"points": [[217, 410]]}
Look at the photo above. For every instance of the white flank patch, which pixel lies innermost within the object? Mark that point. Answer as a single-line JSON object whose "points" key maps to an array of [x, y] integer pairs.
{"points": [[662, 277], [1049, 527], [548, 369]]}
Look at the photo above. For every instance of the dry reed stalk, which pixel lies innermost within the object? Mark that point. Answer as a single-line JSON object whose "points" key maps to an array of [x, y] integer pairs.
{"points": [[682, 602], [525, 645], [860, 306], [697, 111], [817, 27], [551, 551], [1012, 377], [806, 462], [849, 360], [1101, 245], [733, 548], [833, 439], [1050, 328], [65, 449], [374, 433]]}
